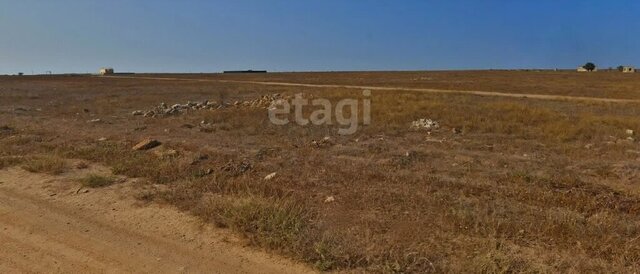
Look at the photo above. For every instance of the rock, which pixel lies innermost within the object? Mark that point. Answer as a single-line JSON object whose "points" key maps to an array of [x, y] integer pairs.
{"points": [[270, 176], [629, 132], [166, 153], [456, 130], [102, 139], [326, 141], [329, 199], [137, 113], [146, 144], [424, 123], [95, 121]]}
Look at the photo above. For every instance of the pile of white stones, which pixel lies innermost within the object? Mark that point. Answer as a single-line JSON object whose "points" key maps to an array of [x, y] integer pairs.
{"points": [[424, 123], [165, 110]]}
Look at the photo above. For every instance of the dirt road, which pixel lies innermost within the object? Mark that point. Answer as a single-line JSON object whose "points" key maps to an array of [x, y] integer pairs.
{"points": [[467, 92], [47, 225]]}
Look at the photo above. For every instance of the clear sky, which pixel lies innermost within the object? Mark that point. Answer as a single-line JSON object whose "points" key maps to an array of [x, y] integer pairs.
{"points": [[294, 35]]}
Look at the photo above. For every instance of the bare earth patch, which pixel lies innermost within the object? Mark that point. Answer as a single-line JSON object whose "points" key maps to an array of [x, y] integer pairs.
{"points": [[47, 226]]}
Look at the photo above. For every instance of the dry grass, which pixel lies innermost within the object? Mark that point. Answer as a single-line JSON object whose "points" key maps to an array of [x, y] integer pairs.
{"points": [[46, 164], [527, 186], [97, 181]]}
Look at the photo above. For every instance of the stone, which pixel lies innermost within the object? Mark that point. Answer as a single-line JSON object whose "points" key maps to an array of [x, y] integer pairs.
{"points": [[94, 121], [330, 199], [629, 132], [270, 176], [137, 113], [146, 144], [423, 123]]}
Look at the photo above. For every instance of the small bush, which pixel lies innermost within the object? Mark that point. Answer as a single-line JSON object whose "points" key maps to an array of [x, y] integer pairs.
{"points": [[10, 161], [95, 181]]}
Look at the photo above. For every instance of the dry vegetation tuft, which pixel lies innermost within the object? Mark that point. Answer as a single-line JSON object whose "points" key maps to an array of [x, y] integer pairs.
{"points": [[46, 164], [96, 181]]}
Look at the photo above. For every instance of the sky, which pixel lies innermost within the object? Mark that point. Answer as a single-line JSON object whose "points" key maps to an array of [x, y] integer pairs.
{"points": [[81, 36]]}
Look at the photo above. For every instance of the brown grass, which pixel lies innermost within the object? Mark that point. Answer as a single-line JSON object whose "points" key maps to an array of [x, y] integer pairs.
{"points": [[46, 164], [96, 181], [526, 186]]}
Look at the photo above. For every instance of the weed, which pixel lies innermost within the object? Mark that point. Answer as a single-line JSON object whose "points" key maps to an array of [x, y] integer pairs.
{"points": [[45, 164], [96, 181]]}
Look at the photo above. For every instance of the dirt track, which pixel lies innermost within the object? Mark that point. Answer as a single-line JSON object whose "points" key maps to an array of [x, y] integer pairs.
{"points": [[467, 92], [45, 226]]}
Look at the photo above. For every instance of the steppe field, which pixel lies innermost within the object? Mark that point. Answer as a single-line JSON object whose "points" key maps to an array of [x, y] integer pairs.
{"points": [[521, 171]]}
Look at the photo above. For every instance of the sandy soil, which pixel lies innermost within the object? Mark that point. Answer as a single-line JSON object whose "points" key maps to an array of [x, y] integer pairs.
{"points": [[48, 224]]}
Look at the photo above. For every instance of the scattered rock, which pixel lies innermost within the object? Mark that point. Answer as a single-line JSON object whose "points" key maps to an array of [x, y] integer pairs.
{"points": [[270, 176], [326, 141], [164, 110], [137, 113], [456, 130], [166, 153], [329, 199], [95, 121], [146, 144], [424, 123], [237, 169]]}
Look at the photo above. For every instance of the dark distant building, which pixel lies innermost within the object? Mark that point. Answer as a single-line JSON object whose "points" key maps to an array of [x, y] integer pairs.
{"points": [[245, 71]]}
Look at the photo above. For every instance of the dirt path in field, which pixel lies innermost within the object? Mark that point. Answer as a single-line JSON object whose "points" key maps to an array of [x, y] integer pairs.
{"points": [[48, 226], [430, 90]]}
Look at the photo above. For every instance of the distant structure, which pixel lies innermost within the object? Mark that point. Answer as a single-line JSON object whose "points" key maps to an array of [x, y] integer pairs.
{"points": [[627, 69], [583, 69], [245, 71], [106, 71]]}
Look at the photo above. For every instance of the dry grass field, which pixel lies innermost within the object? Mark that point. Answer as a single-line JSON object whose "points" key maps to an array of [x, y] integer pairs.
{"points": [[504, 185]]}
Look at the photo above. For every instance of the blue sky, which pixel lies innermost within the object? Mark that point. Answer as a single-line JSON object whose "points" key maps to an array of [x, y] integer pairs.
{"points": [[290, 35]]}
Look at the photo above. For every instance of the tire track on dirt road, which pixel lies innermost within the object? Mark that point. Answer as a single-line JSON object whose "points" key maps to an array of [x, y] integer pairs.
{"points": [[428, 90]]}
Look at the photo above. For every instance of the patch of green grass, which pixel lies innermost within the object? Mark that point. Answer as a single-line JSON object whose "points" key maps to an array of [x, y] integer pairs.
{"points": [[46, 164], [95, 181]]}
